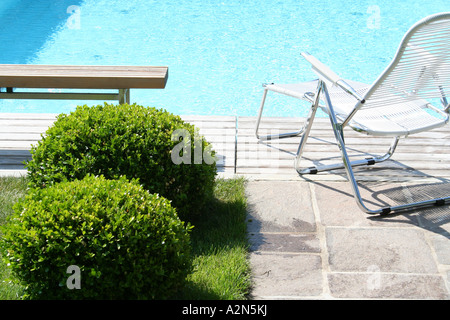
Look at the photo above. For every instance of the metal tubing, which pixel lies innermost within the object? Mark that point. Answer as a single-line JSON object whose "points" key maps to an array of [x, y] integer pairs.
{"points": [[444, 100], [355, 163], [335, 166], [348, 167], [273, 136], [345, 159], [307, 127]]}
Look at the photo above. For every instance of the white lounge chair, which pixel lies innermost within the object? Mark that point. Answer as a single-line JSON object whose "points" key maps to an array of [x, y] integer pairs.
{"points": [[410, 96]]}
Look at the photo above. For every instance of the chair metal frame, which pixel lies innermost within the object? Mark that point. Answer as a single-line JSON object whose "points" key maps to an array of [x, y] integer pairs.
{"points": [[328, 78]]}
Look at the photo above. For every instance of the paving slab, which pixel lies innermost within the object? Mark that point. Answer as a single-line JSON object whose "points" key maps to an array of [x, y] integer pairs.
{"points": [[344, 210], [284, 243], [389, 250], [387, 286], [441, 246], [309, 240], [277, 206], [290, 276]]}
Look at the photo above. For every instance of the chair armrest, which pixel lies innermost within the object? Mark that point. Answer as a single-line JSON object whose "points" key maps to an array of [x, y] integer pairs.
{"points": [[323, 71], [327, 75]]}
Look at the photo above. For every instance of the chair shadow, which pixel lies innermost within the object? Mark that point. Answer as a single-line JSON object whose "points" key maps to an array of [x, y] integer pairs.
{"points": [[431, 218], [405, 191]]}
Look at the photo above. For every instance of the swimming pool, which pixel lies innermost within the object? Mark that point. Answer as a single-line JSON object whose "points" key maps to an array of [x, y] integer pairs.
{"points": [[218, 52]]}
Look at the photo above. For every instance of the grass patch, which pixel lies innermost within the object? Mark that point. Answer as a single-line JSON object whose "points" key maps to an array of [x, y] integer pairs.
{"points": [[219, 244], [220, 247], [11, 190]]}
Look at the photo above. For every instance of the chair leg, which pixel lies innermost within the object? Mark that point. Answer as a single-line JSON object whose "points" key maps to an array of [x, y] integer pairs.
{"points": [[349, 170], [307, 128], [355, 163], [273, 136], [355, 187], [339, 129]]}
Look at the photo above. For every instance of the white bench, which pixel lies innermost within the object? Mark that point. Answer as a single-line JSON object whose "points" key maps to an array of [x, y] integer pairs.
{"points": [[122, 78]]}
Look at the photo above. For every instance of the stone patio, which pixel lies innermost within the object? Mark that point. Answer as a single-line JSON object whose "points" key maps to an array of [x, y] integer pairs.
{"points": [[311, 241]]}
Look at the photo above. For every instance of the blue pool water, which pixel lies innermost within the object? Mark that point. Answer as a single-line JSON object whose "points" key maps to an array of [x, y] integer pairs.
{"points": [[218, 51]]}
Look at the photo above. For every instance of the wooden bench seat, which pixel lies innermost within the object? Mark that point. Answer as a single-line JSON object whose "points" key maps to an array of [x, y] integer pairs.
{"points": [[122, 78]]}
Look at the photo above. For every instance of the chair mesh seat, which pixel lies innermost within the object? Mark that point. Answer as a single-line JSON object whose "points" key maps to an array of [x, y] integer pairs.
{"points": [[397, 120], [400, 119]]}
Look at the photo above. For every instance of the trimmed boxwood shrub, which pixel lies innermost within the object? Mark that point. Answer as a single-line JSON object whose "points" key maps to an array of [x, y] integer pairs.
{"points": [[127, 243], [126, 140]]}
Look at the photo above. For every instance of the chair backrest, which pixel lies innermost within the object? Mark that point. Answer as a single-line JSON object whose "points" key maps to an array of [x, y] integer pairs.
{"points": [[420, 68]]}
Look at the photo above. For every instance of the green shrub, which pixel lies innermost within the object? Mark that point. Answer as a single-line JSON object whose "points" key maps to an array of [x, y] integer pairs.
{"points": [[128, 243], [125, 140]]}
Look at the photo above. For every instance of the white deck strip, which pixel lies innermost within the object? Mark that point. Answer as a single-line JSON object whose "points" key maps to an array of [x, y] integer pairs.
{"points": [[424, 156], [418, 157], [18, 132]]}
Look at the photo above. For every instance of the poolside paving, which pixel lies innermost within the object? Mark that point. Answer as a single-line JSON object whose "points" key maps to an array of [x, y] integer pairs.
{"points": [[308, 239], [307, 251]]}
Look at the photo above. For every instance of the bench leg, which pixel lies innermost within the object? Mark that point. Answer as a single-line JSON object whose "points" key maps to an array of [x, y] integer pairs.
{"points": [[124, 96]]}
